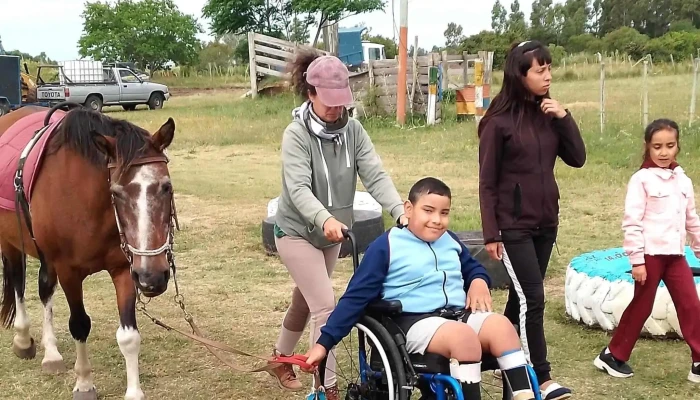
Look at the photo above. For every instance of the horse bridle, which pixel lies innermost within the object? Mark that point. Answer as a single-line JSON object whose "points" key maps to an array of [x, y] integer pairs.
{"points": [[129, 250]]}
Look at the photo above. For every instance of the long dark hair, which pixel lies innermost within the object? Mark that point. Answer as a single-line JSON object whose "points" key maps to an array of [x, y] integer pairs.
{"points": [[297, 69], [659, 125], [514, 94]]}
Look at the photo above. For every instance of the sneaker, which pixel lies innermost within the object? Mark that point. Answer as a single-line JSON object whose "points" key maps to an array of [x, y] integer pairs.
{"points": [[525, 395], [614, 367], [286, 378], [555, 391], [694, 374]]}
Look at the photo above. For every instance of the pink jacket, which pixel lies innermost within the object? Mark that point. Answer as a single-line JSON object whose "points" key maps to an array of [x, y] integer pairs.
{"points": [[659, 209]]}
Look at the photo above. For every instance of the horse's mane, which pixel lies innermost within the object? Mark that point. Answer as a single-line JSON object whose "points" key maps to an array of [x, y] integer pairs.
{"points": [[77, 131]]}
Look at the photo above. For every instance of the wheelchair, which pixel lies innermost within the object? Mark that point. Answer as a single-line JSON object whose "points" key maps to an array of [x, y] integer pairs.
{"points": [[386, 371]]}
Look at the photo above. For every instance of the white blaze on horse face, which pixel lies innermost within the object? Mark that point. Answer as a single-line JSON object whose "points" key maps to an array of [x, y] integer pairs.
{"points": [[129, 340], [145, 177]]}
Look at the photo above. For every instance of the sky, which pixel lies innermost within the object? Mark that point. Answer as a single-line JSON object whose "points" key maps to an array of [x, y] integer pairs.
{"points": [[55, 26]]}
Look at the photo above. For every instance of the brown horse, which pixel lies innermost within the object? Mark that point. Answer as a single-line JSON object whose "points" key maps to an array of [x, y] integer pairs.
{"points": [[101, 200]]}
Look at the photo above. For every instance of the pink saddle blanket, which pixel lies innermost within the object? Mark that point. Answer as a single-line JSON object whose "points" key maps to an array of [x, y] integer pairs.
{"points": [[12, 143]]}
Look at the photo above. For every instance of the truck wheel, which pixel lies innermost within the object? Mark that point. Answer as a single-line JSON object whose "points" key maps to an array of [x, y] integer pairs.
{"points": [[156, 101], [94, 102]]}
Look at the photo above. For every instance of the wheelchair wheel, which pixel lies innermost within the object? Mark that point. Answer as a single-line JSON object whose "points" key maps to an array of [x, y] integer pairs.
{"points": [[369, 366]]}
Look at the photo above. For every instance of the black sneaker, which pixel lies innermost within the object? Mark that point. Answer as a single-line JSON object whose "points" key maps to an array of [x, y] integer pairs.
{"points": [[694, 374], [616, 368]]}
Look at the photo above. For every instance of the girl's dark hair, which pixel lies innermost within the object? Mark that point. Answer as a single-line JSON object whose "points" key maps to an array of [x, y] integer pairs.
{"points": [[513, 93], [297, 69], [656, 126]]}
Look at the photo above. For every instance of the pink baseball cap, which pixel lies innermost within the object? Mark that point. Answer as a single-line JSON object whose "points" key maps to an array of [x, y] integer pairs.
{"points": [[331, 79]]}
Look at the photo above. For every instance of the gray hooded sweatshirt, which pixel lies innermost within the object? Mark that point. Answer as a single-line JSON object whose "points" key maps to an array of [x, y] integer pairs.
{"points": [[320, 165]]}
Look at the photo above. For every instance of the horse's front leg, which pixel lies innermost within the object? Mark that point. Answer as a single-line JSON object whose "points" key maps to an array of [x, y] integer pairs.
{"points": [[79, 324], [128, 336]]}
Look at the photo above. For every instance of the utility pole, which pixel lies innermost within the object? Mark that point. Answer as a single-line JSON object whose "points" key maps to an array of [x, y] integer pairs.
{"points": [[403, 61]]}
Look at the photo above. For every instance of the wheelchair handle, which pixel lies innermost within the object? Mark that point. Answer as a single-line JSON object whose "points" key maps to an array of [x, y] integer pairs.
{"points": [[348, 234]]}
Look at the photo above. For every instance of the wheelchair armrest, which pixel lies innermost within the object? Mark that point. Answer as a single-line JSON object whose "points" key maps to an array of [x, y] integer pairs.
{"points": [[385, 307]]}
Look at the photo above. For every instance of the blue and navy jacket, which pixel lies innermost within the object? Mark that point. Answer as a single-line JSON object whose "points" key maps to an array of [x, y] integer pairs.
{"points": [[424, 276]]}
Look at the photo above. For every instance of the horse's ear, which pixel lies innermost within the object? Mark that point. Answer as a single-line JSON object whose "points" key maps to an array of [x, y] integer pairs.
{"points": [[106, 144], [164, 136]]}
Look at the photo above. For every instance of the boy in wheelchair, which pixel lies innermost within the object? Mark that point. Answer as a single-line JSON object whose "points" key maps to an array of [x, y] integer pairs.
{"points": [[444, 293]]}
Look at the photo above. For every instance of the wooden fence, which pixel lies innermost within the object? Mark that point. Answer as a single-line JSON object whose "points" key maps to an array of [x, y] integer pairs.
{"points": [[270, 56], [457, 73], [375, 90]]}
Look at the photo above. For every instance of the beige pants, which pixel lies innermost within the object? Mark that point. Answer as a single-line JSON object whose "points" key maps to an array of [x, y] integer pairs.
{"points": [[312, 298]]}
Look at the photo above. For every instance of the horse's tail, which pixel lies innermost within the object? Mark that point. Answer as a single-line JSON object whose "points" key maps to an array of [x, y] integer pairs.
{"points": [[7, 305]]}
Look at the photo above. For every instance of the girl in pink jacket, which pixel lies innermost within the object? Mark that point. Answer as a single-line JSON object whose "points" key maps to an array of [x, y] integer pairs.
{"points": [[659, 210]]}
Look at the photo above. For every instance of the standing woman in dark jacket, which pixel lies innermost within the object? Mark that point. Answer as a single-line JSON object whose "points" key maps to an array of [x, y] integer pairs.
{"points": [[520, 137]]}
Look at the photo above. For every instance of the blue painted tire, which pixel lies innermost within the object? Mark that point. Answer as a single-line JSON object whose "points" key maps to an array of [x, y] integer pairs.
{"points": [[599, 286]]}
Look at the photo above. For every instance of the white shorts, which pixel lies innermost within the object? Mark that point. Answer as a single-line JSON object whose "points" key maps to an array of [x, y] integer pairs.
{"points": [[421, 333]]}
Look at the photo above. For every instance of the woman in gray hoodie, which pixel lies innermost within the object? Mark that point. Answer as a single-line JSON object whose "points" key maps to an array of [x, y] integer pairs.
{"points": [[323, 152]]}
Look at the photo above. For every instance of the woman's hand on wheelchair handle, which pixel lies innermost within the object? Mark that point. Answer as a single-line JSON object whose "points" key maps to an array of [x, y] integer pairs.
{"points": [[479, 296], [315, 356], [333, 230]]}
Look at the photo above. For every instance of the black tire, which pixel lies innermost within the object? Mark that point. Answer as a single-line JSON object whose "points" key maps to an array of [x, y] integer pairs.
{"points": [[129, 107], [474, 242], [94, 102], [156, 101], [368, 226], [398, 368]]}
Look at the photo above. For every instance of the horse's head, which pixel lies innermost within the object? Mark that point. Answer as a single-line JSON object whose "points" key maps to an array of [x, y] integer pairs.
{"points": [[142, 196]]}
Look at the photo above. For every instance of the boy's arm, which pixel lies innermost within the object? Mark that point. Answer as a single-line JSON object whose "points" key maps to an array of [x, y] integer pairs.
{"points": [[364, 287], [471, 268]]}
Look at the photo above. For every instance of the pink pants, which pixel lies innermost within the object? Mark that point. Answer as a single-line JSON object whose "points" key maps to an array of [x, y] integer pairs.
{"points": [[312, 298]]}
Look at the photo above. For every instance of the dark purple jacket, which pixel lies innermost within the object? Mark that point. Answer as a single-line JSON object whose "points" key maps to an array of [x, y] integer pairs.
{"points": [[517, 188]]}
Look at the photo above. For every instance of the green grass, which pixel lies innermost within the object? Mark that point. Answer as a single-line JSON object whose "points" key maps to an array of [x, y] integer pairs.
{"points": [[225, 167]]}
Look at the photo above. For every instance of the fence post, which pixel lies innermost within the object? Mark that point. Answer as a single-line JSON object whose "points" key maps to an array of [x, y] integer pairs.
{"points": [[432, 96], [251, 63], [478, 90], [693, 96], [602, 93], [645, 95]]}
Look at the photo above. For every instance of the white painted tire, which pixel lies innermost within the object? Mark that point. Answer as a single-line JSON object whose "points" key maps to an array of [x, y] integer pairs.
{"points": [[599, 288], [363, 202]]}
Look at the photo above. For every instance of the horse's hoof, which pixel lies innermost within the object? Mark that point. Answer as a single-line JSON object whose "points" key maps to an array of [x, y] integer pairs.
{"points": [[89, 395], [25, 354], [53, 366], [134, 395]]}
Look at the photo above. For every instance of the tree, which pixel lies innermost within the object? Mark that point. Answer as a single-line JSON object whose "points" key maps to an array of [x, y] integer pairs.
{"points": [[499, 17], [149, 32], [453, 35], [241, 16], [516, 24], [332, 11]]}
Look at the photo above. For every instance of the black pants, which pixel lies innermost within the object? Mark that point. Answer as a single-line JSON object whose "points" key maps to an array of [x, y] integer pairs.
{"points": [[526, 257]]}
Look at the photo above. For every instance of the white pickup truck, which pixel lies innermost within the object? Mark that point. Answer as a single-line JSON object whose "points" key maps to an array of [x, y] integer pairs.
{"points": [[118, 87]]}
